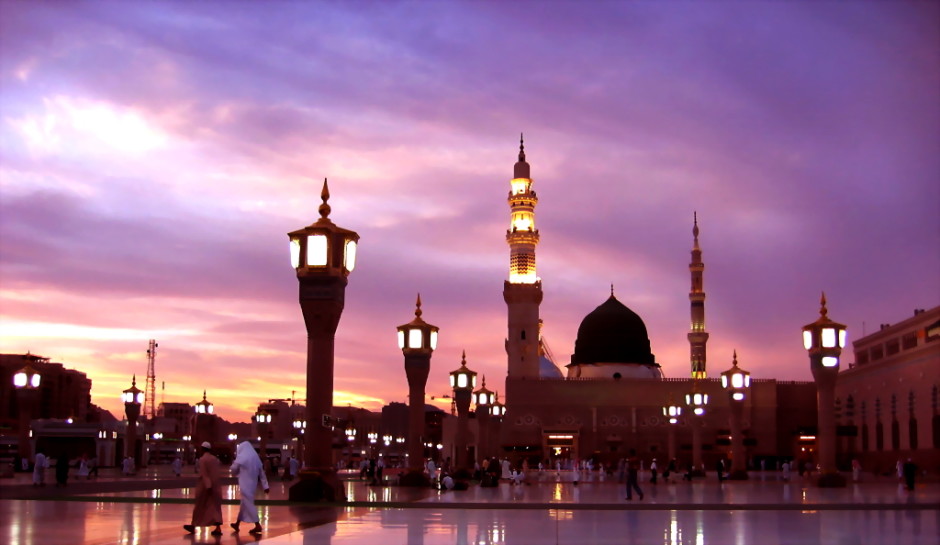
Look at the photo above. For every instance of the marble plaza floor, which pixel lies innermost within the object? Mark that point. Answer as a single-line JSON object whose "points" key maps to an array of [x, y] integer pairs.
{"points": [[151, 507]]}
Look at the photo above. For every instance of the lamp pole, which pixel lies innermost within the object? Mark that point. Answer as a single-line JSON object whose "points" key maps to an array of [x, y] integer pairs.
{"points": [[483, 399], [463, 380], [672, 411], [263, 421], [417, 340], [26, 382], [824, 340], [737, 382], [133, 398], [323, 254], [202, 409], [696, 401]]}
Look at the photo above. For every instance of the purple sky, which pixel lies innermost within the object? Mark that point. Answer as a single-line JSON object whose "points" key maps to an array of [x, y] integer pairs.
{"points": [[153, 157]]}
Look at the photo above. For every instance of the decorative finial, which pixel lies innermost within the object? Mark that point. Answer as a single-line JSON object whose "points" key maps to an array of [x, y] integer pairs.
{"points": [[418, 307], [823, 311], [695, 225], [463, 359], [521, 148], [203, 395], [611, 289], [734, 360], [134, 380], [325, 195], [484, 381]]}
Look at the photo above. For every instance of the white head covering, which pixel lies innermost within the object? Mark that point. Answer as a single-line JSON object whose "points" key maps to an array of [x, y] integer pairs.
{"points": [[206, 444], [247, 458]]}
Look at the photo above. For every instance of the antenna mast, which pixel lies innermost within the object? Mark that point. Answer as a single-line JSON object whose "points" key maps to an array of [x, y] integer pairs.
{"points": [[150, 400]]}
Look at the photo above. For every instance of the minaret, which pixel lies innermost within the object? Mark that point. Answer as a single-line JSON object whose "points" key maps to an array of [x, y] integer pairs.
{"points": [[697, 336], [523, 291]]}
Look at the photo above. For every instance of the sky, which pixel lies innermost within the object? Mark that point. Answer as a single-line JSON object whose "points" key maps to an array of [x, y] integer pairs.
{"points": [[154, 155]]}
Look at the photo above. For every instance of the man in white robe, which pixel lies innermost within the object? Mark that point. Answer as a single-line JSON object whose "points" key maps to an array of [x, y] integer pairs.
{"points": [[39, 470], [250, 471]]}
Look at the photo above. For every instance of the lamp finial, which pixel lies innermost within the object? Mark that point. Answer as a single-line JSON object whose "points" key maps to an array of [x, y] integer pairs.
{"points": [[521, 149], [325, 195], [823, 311], [611, 289], [734, 360], [463, 359], [418, 306], [695, 228], [134, 380]]}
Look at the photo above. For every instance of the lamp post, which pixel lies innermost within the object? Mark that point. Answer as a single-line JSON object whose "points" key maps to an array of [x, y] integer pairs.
{"points": [[417, 340], [203, 410], [824, 340], [323, 254], [737, 382], [672, 411], [462, 380], [133, 398], [483, 399], [696, 401], [300, 426], [263, 421], [26, 382]]}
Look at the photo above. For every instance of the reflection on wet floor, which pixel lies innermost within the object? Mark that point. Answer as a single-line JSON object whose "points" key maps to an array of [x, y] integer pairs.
{"points": [[542, 513]]}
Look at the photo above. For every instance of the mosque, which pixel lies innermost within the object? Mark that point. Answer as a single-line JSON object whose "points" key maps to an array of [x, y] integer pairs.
{"points": [[611, 398]]}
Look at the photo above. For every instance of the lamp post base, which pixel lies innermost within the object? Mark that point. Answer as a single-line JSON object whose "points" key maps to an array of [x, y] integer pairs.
{"points": [[317, 485], [738, 475], [831, 480], [415, 478]]}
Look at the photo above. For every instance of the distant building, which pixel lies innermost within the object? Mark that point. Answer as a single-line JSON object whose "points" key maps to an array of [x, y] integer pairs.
{"points": [[888, 401], [63, 393]]}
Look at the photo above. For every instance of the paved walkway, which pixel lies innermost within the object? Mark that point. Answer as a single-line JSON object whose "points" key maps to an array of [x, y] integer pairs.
{"points": [[150, 508]]}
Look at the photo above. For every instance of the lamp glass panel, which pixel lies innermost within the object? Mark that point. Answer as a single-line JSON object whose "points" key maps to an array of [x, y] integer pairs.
{"points": [[699, 411], [461, 380], [350, 256], [473, 381], [140, 397], [737, 380], [434, 340], [704, 399], [724, 381], [295, 252], [841, 338], [401, 339], [34, 380], [688, 399], [747, 381], [807, 339], [125, 397], [211, 409], [453, 380], [414, 338], [828, 337], [19, 380], [317, 248], [473, 399], [830, 361], [698, 399], [737, 396]]}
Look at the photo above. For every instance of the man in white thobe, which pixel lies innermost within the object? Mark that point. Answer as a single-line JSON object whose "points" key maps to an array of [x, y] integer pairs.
{"points": [[39, 470], [250, 472]]}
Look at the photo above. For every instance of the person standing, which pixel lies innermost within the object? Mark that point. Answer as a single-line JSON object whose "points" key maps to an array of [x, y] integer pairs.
{"points": [[633, 468], [250, 472], [177, 465], [380, 470], [720, 469], [83, 469], [39, 469], [653, 468], [910, 471], [293, 465], [856, 470], [208, 508], [62, 470]]}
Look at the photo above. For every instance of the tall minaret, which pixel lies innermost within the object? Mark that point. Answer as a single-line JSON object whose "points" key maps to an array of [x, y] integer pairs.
{"points": [[697, 336], [523, 291]]}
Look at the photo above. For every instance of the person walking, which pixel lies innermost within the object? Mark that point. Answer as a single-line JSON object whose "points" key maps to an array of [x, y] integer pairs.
{"points": [[83, 469], [208, 508], [633, 468], [720, 469], [39, 469], [250, 472], [293, 465]]}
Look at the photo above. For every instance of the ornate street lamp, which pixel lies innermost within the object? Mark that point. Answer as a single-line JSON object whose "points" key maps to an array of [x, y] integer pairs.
{"points": [[497, 409], [417, 340], [672, 411], [133, 398], [263, 421], [203, 410], [463, 381], [696, 401], [824, 340], [737, 382], [322, 254], [483, 399], [300, 426], [26, 382]]}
